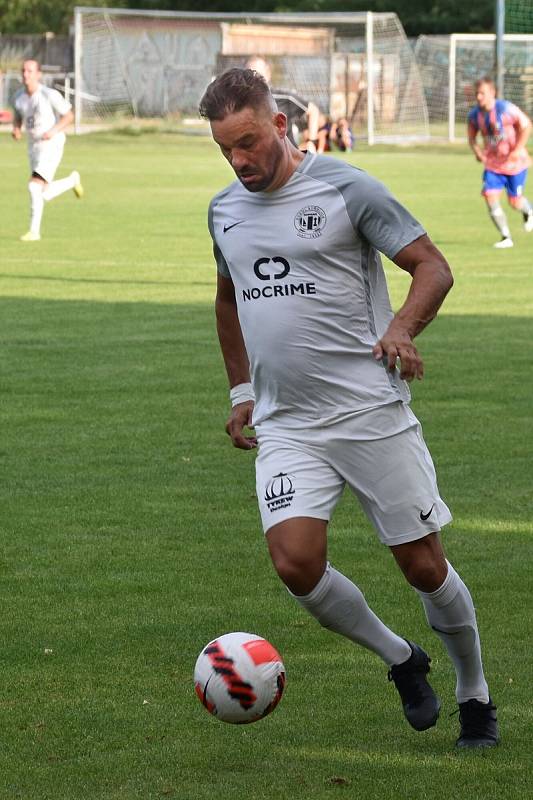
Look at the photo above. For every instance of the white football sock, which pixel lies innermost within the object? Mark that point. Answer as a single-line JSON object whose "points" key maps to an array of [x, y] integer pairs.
{"points": [[450, 612], [36, 206], [497, 215], [339, 605], [58, 187], [525, 208]]}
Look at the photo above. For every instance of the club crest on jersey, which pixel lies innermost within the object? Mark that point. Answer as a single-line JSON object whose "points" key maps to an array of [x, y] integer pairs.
{"points": [[310, 222], [279, 491]]}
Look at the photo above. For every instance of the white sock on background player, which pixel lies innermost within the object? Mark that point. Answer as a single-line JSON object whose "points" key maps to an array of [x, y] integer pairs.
{"points": [[56, 188], [527, 213], [497, 215], [450, 612], [36, 206], [340, 606], [525, 208]]}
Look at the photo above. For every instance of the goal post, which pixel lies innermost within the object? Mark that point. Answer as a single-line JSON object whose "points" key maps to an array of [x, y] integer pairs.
{"points": [[77, 69], [370, 76], [358, 65]]}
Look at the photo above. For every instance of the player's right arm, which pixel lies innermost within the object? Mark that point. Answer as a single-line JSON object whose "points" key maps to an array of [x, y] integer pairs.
{"points": [[235, 359], [473, 131], [16, 133]]}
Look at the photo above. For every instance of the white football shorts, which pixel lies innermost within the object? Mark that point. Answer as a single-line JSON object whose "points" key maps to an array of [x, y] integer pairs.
{"points": [[46, 156], [303, 474]]}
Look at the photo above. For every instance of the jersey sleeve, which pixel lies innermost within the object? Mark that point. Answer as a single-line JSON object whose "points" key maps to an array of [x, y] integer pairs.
{"points": [[221, 263], [517, 115], [374, 212], [472, 121], [59, 103], [17, 113], [17, 116], [379, 217]]}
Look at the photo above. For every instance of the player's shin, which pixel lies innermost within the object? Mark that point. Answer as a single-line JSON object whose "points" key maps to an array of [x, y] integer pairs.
{"points": [[450, 612], [35, 189], [497, 215], [341, 607], [526, 209]]}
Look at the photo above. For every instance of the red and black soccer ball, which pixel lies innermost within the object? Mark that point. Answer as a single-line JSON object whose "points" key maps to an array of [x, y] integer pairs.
{"points": [[239, 677]]}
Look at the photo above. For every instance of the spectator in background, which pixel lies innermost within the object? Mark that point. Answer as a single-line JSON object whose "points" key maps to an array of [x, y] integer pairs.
{"points": [[302, 115], [324, 133], [334, 135], [341, 135], [504, 129]]}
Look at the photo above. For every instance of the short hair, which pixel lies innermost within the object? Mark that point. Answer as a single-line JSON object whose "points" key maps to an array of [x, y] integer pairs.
{"points": [[486, 79], [234, 90]]}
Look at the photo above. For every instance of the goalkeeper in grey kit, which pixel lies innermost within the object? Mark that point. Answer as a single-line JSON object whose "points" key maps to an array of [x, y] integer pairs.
{"points": [[319, 365]]}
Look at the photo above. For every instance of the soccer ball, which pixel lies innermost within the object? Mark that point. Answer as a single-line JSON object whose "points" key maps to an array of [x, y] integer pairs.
{"points": [[239, 677]]}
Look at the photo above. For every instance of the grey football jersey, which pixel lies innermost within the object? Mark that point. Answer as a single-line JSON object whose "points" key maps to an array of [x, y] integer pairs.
{"points": [[310, 287]]}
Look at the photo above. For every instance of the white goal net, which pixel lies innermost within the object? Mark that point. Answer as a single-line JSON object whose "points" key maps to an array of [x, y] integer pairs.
{"points": [[450, 65], [155, 64]]}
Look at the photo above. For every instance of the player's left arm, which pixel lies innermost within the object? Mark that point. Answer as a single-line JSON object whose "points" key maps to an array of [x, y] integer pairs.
{"points": [[523, 131], [431, 281], [63, 122]]}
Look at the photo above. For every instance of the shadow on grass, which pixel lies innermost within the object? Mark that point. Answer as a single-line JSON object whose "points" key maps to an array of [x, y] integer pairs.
{"points": [[129, 363], [37, 278]]}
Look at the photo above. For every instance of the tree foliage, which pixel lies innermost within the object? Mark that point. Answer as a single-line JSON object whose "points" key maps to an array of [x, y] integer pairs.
{"points": [[39, 16], [417, 16]]}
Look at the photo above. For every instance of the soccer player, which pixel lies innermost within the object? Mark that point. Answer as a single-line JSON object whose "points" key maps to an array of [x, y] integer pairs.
{"points": [[318, 364], [504, 129], [45, 114]]}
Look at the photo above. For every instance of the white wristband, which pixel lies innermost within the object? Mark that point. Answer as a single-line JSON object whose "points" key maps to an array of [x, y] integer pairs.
{"points": [[241, 393]]}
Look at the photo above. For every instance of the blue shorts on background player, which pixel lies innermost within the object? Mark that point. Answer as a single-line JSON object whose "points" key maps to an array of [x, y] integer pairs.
{"points": [[513, 185]]}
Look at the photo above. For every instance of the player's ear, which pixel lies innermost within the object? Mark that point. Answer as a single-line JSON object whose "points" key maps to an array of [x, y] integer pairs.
{"points": [[280, 123]]}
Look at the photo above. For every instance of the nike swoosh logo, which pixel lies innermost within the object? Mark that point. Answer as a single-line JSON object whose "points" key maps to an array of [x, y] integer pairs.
{"points": [[423, 516], [229, 227], [204, 693], [446, 633]]}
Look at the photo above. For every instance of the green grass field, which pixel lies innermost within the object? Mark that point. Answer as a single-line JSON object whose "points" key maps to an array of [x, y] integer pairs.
{"points": [[130, 534]]}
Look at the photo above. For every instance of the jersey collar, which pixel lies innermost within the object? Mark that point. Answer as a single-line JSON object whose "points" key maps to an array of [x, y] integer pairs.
{"points": [[306, 162]]}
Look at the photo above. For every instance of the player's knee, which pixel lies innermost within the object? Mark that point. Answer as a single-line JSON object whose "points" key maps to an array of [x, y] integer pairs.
{"points": [[425, 573], [299, 571], [290, 568], [515, 202], [35, 187]]}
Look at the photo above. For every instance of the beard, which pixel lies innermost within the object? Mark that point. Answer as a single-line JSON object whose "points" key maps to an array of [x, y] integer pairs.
{"points": [[256, 180], [256, 183]]}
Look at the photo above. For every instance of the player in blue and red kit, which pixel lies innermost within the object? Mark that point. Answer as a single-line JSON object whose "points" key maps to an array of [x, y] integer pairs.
{"points": [[505, 130]]}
